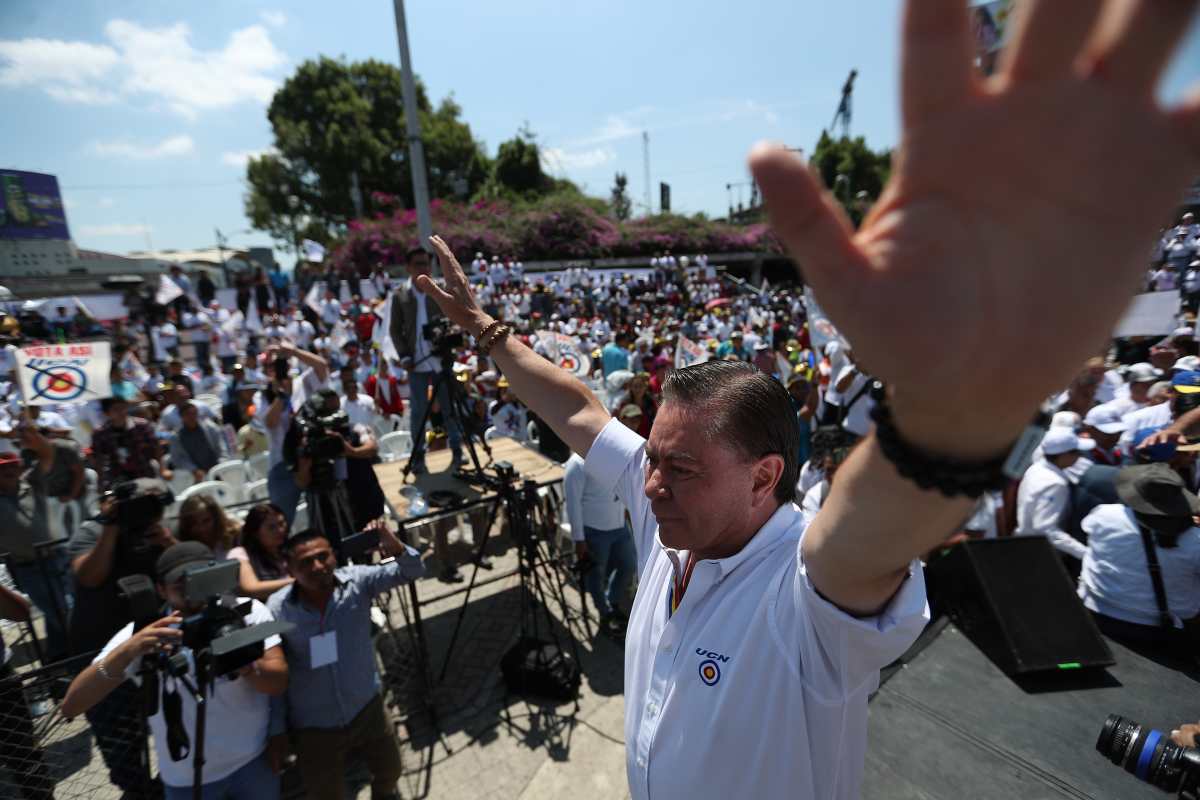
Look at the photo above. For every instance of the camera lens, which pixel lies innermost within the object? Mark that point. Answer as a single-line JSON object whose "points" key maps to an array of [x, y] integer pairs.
{"points": [[1145, 753]]}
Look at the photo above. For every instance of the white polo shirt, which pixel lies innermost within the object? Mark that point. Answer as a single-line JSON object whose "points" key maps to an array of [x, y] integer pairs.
{"points": [[756, 686]]}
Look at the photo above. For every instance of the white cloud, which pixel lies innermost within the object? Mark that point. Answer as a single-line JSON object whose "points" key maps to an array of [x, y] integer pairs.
{"points": [[115, 229], [171, 146], [276, 19], [39, 62], [239, 158], [557, 159], [159, 63]]}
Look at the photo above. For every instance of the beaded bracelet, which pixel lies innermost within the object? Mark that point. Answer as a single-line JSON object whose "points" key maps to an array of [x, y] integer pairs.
{"points": [[954, 478], [497, 335], [483, 334]]}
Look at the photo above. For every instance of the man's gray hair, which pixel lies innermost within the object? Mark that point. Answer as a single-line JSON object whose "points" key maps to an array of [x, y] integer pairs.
{"points": [[1158, 390], [744, 408]]}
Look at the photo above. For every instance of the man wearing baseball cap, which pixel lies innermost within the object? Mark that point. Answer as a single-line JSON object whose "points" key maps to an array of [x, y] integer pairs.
{"points": [[239, 711], [1184, 396], [1045, 494], [1104, 426]]}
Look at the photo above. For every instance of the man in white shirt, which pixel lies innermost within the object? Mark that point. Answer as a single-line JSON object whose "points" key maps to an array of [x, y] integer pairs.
{"points": [[1044, 498], [1115, 582], [603, 543], [754, 642], [301, 331], [359, 408], [237, 763]]}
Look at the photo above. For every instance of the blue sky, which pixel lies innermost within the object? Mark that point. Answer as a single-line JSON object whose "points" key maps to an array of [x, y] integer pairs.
{"points": [[146, 110]]}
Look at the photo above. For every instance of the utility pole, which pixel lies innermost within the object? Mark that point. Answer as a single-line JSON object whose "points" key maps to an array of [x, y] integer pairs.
{"points": [[416, 150], [646, 165]]}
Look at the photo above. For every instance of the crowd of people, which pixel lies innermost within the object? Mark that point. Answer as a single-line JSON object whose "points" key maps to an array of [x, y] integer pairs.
{"points": [[194, 387], [773, 484]]}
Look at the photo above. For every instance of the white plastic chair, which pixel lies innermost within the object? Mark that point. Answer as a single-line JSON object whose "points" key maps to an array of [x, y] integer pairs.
{"points": [[231, 472], [256, 491], [531, 432], [490, 434], [257, 466], [180, 482], [300, 521], [395, 445], [220, 491], [382, 426]]}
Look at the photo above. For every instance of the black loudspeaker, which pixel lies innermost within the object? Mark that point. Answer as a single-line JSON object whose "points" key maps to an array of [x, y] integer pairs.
{"points": [[1013, 598]]}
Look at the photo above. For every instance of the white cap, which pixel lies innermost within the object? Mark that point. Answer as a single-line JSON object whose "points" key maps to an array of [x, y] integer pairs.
{"points": [[1142, 372], [1105, 420], [1068, 420], [1184, 330], [1061, 440], [1187, 363]]}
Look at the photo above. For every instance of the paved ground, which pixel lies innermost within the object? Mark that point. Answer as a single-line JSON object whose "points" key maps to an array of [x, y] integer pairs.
{"points": [[487, 743]]}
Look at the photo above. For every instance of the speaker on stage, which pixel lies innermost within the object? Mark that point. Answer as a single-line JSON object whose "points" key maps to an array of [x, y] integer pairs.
{"points": [[1013, 598]]}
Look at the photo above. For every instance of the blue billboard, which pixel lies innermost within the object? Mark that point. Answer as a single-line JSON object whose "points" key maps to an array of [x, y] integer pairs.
{"points": [[31, 206]]}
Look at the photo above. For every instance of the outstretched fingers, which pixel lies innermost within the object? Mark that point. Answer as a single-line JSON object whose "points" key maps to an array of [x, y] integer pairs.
{"points": [[1047, 37], [936, 71], [451, 269], [815, 231], [1136, 39]]}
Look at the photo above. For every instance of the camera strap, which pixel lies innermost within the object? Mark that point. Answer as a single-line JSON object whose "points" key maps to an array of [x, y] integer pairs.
{"points": [[1166, 619], [178, 742]]}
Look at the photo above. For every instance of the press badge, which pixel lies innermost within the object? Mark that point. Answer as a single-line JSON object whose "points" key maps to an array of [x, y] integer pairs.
{"points": [[323, 649]]}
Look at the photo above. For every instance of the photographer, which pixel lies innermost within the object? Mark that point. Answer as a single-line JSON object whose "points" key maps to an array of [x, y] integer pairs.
{"points": [[125, 539], [275, 408], [356, 452], [333, 698], [236, 763], [40, 572], [412, 312]]}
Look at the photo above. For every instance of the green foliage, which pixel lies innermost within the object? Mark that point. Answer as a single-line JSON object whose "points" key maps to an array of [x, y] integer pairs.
{"points": [[865, 169], [333, 120], [622, 206]]}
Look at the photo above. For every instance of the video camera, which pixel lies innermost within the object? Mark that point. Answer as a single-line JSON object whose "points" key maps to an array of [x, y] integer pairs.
{"points": [[443, 337], [139, 504], [1151, 756], [322, 434], [218, 630]]}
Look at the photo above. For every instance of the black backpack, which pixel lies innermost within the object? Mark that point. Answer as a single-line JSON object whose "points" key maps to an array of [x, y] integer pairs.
{"points": [[540, 668]]}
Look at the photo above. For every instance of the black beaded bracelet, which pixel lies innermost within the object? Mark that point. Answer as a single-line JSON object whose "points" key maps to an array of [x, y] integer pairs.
{"points": [[950, 477]]}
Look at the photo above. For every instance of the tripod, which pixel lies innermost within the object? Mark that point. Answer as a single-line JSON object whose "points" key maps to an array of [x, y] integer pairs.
{"points": [[459, 413], [329, 510]]}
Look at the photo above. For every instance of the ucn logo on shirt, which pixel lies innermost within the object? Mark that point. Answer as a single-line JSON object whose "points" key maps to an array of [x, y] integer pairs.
{"points": [[710, 667]]}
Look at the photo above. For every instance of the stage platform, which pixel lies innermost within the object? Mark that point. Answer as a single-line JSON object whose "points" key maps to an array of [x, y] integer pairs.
{"points": [[949, 725], [529, 464]]}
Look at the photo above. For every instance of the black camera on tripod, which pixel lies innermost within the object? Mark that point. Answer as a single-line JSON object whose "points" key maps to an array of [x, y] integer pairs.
{"points": [[218, 629], [318, 434], [139, 504], [443, 337], [1151, 756]]}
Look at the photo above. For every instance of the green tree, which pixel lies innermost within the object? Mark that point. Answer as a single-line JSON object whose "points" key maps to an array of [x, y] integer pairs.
{"points": [[864, 170], [622, 206], [518, 165], [334, 121]]}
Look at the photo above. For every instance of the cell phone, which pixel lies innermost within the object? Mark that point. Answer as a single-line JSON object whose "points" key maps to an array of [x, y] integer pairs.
{"points": [[281, 369]]}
